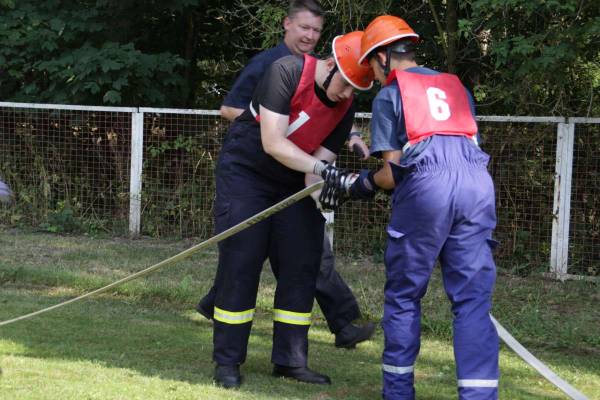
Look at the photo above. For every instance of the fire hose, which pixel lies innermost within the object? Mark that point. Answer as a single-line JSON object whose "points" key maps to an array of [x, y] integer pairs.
{"points": [[186, 253]]}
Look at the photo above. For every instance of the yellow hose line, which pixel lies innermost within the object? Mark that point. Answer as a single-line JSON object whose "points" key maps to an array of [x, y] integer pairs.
{"points": [[186, 253]]}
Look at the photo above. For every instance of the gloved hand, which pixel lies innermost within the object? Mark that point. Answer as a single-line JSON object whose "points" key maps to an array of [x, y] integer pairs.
{"points": [[315, 196], [364, 187], [335, 189]]}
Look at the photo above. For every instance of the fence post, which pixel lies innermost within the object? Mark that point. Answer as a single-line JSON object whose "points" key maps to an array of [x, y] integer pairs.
{"points": [[135, 179], [329, 219], [561, 210]]}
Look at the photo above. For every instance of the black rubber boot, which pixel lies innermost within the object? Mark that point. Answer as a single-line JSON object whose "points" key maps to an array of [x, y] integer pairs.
{"points": [[352, 334], [302, 374], [228, 376]]}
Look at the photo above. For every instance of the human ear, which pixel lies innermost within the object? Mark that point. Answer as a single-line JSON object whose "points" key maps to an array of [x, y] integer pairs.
{"points": [[381, 56], [330, 63]]}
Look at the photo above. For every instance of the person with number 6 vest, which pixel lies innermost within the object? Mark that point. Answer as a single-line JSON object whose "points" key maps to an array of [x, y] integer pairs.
{"points": [[300, 114], [443, 206]]}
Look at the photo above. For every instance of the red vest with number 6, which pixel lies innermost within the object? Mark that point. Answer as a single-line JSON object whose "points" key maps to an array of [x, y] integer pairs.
{"points": [[311, 121], [433, 105]]}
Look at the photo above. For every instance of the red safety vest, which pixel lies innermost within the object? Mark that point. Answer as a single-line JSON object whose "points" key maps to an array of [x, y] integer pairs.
{"points": [[433, 105], [311, 121]]}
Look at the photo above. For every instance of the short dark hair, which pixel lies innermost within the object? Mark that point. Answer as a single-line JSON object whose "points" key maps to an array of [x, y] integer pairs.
{"points": [[297, 6], [400, 50], [410, 56], [403, 50]]}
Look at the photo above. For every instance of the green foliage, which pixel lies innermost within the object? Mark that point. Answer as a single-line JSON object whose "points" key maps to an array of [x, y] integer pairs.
{"points": [[543, 46], [187, 52], [181, 142], [270, 15], [56, 191], [61, 220], [60, 52]]}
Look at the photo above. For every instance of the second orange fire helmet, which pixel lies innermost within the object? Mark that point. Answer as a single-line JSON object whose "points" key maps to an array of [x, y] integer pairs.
{"points": [[382, 31], [346, 52]]}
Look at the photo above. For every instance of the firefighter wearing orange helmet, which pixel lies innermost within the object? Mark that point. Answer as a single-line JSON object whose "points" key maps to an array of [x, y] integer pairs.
{"points": [[443, 207], [300, 114]]}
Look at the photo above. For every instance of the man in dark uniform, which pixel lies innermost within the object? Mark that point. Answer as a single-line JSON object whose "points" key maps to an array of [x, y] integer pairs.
{"points": [[303, 26], [424, 125], [300, 114]]}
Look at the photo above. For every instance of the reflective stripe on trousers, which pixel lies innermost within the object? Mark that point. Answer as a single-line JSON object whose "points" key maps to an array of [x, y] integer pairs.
{"points": [[290, 317], [398, 370], [233, 317], [474, 383]]}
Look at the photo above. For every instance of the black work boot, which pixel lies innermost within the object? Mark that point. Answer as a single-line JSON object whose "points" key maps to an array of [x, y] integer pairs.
{"points": [[228, 376], [302, 374], [352, 334]]}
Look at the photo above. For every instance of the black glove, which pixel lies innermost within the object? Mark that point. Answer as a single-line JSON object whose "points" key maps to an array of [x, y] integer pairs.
{"points": [[335, 189], [356, 149], [364, 187]]}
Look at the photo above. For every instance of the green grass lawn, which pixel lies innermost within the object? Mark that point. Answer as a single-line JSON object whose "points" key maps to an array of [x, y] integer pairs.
{"points": [[144, 341]]}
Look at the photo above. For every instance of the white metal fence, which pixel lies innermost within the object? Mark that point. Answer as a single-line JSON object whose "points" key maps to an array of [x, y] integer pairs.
{"points": [[150, 171]]}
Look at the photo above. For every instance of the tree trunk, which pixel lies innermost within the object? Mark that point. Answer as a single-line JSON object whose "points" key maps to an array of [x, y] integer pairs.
{"points": [[190, 57], [452, 31]]}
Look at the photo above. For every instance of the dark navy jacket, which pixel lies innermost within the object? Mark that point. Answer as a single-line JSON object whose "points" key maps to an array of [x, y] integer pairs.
{"points": [[243, 87]]}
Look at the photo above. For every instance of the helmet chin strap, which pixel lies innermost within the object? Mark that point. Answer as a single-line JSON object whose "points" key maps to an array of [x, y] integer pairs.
{"points": [[327, 81], [388, 60], [385, 67]]}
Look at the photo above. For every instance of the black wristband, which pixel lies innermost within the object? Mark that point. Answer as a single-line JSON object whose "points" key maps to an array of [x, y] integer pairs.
{"points": [[371, 179], [355, 133]]}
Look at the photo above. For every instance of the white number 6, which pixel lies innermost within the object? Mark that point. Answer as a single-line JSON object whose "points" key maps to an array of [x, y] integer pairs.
{"points": [[439, 109]]}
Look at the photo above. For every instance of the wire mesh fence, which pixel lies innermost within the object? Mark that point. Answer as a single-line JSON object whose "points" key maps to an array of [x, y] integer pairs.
{"points": [[522, 164], [584, 241], [360, 225], [67, 166], [180, 153], [70, 169]]}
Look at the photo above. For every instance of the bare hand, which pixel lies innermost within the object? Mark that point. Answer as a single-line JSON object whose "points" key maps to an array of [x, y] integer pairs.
{"points": [[364, 153]]}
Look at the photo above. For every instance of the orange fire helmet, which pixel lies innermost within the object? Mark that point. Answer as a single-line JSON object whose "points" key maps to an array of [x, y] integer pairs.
{"points": [[384, 30], [346, 50]]}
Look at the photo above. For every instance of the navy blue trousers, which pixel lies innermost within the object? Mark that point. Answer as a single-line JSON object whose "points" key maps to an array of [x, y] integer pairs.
{"points": [[241, 154], [291, 239], [443, 207], [337, 302]]}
